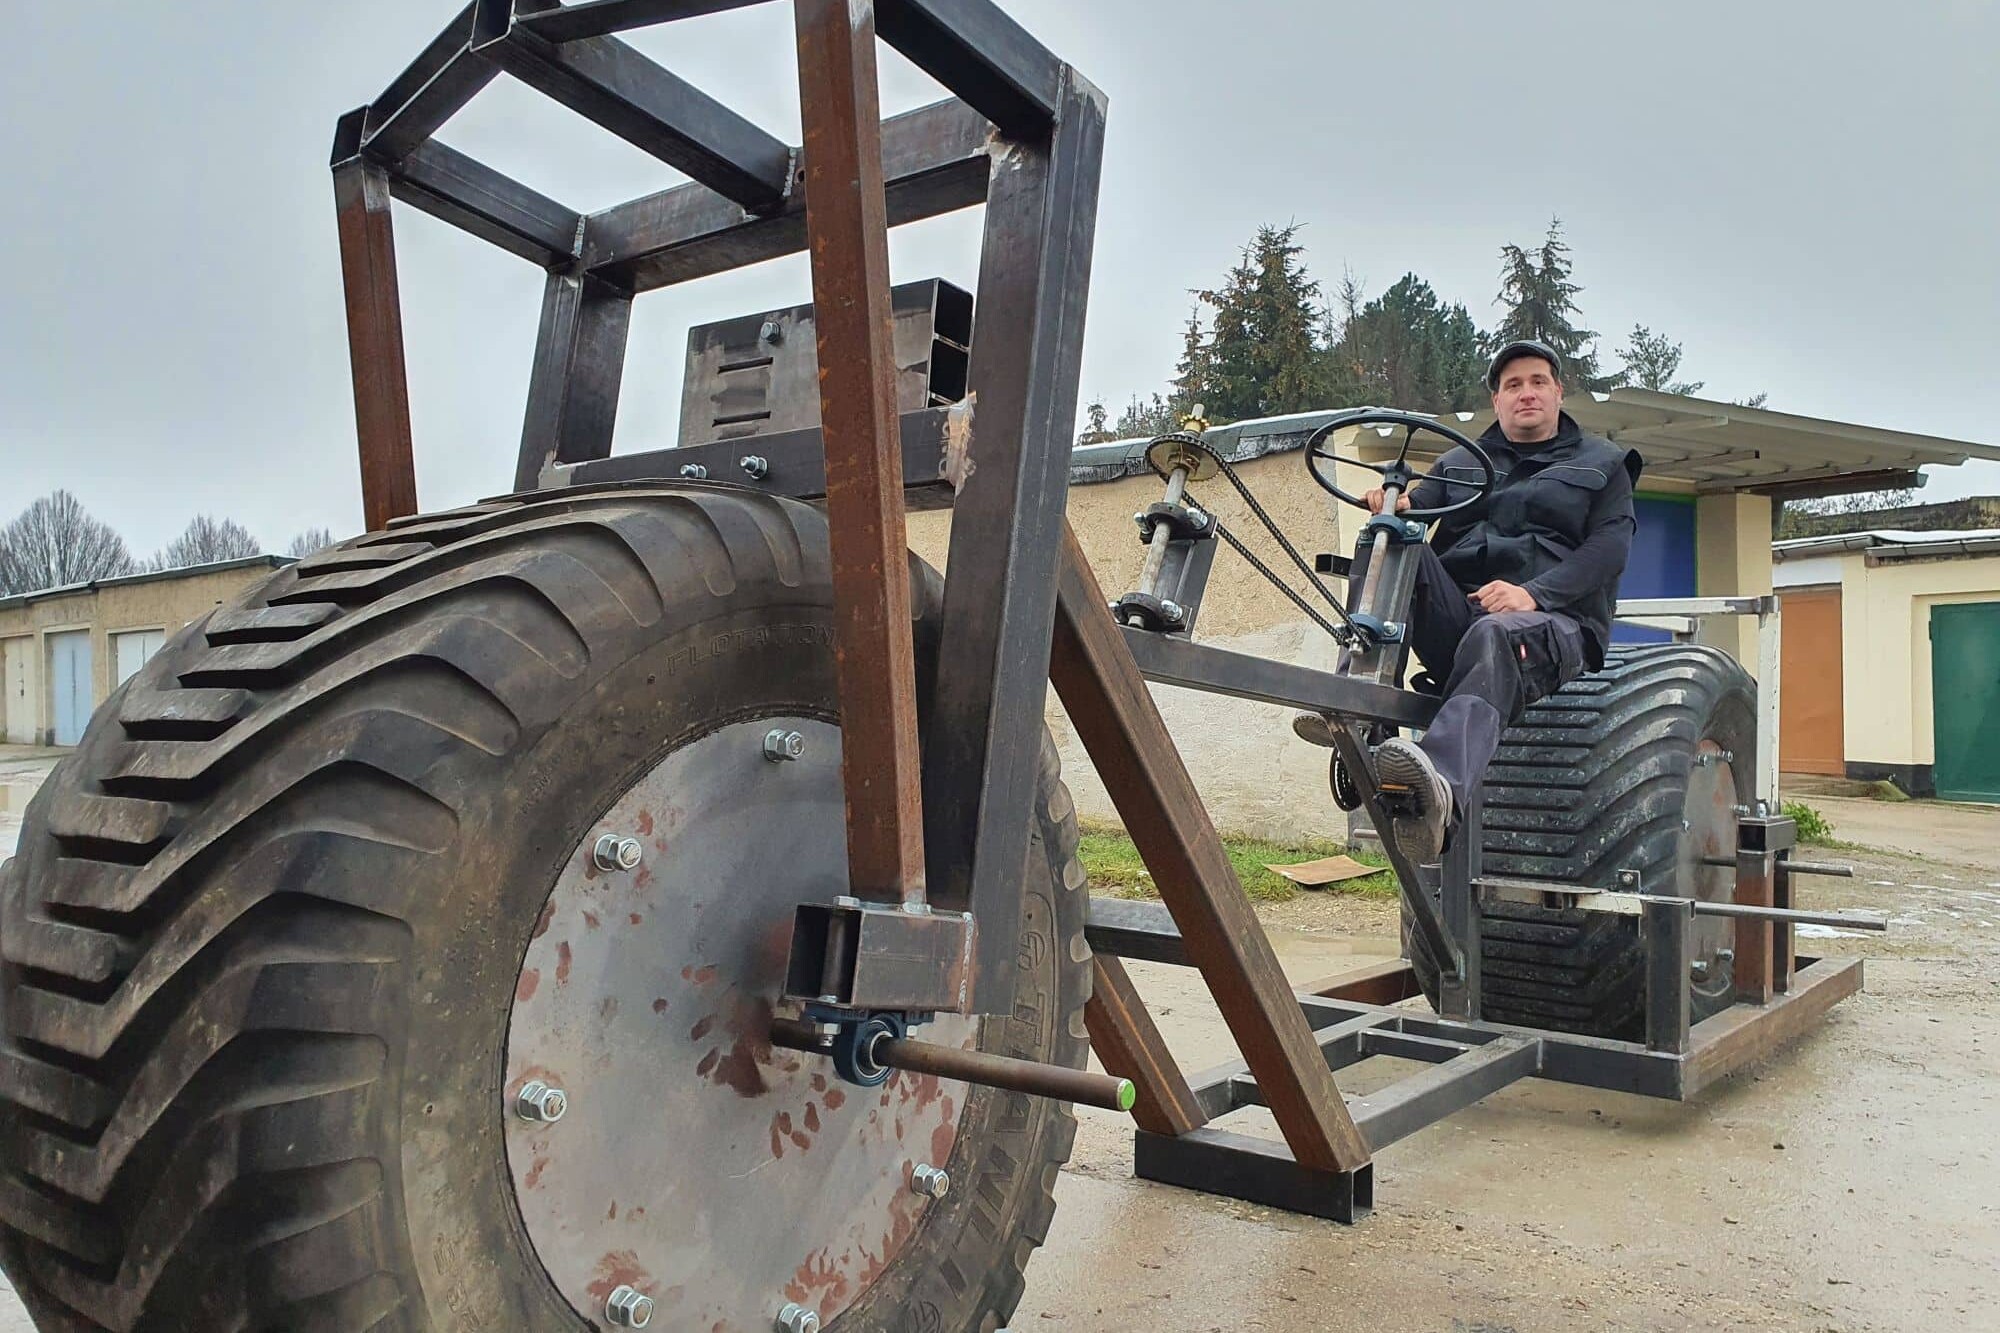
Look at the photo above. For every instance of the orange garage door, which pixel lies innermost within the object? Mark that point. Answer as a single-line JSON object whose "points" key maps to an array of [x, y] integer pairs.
{"points": [[1810, 736]]}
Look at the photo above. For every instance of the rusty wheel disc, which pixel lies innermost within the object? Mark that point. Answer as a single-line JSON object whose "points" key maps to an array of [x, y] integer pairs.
{"points": [[692, 1163]]}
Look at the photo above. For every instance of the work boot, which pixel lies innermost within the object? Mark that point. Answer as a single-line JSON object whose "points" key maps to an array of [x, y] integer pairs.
{"points": [[1314, 729], [1404, 771]]}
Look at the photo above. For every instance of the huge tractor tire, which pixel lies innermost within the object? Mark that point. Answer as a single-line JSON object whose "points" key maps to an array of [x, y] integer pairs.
{"points": [[1640, 766], [318, 897]]}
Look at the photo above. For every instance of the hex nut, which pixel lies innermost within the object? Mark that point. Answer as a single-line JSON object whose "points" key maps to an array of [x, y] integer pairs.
{"points": [[541, 1104], [613, 853], [755, 466], [629, 1308], [781, 745], [930, 1181], [694, 471], [796, 1318]]}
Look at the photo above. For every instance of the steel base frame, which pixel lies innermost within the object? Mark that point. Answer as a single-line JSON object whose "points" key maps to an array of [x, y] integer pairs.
{"points": [[1353, 1019]]}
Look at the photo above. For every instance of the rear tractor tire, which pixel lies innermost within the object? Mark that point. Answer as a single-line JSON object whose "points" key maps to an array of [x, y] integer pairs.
{"points": [[1640, 766], [301, 935]]}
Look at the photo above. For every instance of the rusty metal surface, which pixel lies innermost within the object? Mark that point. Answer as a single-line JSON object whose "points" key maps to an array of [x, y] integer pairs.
{"points": [[1128, 1043], [847, 227], [375, 341], [714, 1173], [862, 956]]}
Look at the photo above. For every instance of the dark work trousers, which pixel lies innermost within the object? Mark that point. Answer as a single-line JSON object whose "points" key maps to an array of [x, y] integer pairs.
{"points": [[1491, 667]]}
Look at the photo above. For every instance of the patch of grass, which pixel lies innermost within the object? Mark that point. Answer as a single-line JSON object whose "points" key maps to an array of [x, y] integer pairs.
{"points": [[1815, 829], [1113, 864], [1886, 790]]}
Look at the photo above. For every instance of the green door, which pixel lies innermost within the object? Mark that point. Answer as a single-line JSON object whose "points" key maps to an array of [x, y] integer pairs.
{"points": [[1965, 700]]}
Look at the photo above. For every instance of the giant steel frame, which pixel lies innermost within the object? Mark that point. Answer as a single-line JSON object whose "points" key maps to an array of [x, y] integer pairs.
{"points": [[937, 825]]}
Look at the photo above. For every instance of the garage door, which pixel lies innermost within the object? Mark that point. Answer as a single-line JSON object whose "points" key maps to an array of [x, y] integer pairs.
{"points": [[18, 712], [135, 648], [1662, 560], [1811, 738], [69, 685], [1965, 700]]}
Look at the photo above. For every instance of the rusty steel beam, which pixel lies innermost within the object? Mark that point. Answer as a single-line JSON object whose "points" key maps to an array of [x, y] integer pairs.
{"points": [[601, 18], [875, 658], [980, 769], [435, 87], [1128, 1043], [654, 110], [573, 387], [374, 331], [936, 159], [1120, 726]]}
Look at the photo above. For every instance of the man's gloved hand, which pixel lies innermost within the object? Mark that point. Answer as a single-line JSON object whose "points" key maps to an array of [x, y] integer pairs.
{"points": [[1497, 596], [1381, 493]]}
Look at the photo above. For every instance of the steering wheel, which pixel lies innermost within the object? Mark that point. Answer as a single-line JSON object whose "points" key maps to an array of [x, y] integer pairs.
{"points": [[1398, 473]]}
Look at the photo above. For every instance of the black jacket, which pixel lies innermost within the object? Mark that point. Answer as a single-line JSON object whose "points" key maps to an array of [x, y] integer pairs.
{"points": [[1559, 522]]}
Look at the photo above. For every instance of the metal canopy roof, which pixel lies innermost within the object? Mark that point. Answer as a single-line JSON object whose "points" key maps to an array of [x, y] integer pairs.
{"points": [[1711, 446], [1726, 447]]}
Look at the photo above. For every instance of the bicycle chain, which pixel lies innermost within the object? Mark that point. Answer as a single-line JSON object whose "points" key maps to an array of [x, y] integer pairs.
{"points": [[1342, 634]]}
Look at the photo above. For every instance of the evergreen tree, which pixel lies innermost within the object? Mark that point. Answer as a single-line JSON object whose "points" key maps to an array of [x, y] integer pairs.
{"points": [[1652, 360], [1409, 350], [1097, 430], [1535, 288], [1194, 374], [1264, 356], [1143, 419]]}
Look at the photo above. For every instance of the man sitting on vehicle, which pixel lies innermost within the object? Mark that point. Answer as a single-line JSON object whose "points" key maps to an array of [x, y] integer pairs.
{"points": [[1513, 596]]}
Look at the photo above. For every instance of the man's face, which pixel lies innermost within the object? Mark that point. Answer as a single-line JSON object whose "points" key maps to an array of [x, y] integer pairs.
{"points": [[1528, 400]]}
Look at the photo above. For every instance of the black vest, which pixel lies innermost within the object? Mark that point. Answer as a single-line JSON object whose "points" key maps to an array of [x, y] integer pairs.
{"points": [[1536, 516]]}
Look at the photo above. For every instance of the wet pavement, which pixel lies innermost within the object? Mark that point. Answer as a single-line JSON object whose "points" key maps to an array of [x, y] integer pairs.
{"points": [[1850, 1183]]}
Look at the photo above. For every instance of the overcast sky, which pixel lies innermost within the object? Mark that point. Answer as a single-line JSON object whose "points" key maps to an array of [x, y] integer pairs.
{"points": [[1804, 194]]}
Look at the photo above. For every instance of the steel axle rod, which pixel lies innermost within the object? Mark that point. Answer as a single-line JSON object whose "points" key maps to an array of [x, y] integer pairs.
{"points": [[1789, 867], [1788, 915], [993, 1071]]}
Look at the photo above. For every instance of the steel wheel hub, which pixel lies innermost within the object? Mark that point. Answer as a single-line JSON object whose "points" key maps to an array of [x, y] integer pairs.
{"points": [[1710, 813], [692, 1163]]}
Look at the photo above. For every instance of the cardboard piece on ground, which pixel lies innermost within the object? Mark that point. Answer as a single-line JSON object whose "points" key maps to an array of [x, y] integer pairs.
{"points": [[1327, 870]]}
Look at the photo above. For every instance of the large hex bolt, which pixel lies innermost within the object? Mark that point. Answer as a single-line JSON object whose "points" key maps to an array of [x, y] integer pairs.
{"points": [[613, 852], [796, 1318], [781, 745], [930, 1181], [629, 1308], [541, 1104], [694, 472], [755, 466]]}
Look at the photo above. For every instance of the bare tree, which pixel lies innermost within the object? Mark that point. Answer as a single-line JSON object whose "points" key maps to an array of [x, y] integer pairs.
{"points": [[206, 541], [55, 542], [310, 542]]}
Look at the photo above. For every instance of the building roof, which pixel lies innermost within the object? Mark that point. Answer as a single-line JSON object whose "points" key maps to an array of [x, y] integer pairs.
{"points": [[1714, 446], [1893, 544], [151, 576]]}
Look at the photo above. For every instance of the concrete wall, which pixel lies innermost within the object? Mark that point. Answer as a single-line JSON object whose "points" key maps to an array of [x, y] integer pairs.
{"points": [[1256, 777], [1886, 652], [117, 606]]}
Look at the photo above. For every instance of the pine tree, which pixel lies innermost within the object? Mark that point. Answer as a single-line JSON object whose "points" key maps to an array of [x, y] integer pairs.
{"points": [[1264, 356], [1411, 351], [1194, 374], [1651, 361], [1535, 288], [1143, 419], [1097, 430]]}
